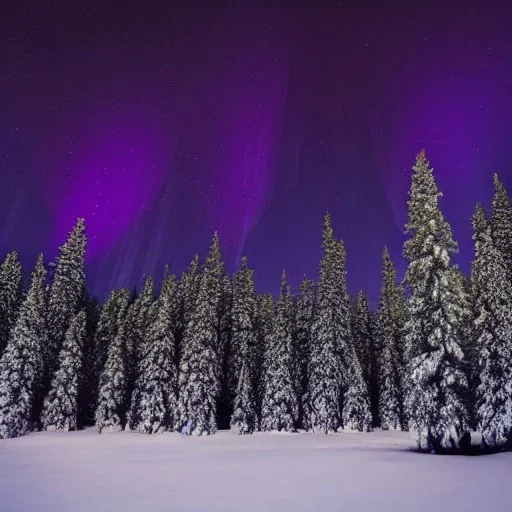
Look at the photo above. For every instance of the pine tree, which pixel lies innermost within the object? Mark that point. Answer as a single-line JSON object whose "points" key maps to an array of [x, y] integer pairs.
{"points": [[113, 384], [280, 404], [154, 399], [362, 336], [243, 338], [140, 316], [338, 393], [225, 403], [60, 410], [302, 349], [112, 313], [66, 293], [264, 326], [501, 223], [10, 296], [437, 307], [200, 368], [21, 365], [493, 322], [327, 334], [390, 325]]}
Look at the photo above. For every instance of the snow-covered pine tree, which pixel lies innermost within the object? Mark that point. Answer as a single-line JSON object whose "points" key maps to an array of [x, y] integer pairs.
{"points": [[389, 331], [280, 405], [329, 330], [10, 296], [225, 403], [110, 413], [492, 301], [66, 293], [264, 326], [199, 370], [60, 410], [362, 336], [154, 395], [338, 393], [501, 222], [302, 349], [139, 317], [87, 388], [436, 311], [243, 341], [112, 313], [21, 365]]}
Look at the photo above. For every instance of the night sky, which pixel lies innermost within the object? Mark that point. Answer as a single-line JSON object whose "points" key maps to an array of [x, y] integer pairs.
{"points": [[160, 125]]}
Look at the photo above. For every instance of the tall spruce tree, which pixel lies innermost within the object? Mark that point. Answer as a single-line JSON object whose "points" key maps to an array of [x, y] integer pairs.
{"points": [[362, 336], [302, 349], [280, 405], [139, 318], [501, 223], [10, 296], [437, 307], [21, 365], [329, 332], [111, 410], [492, 302], [243, 339], [225, 403], [60, 410], [391, 365], [112, 313], [338, 393], [154, 398], [264, 326], [200, 368], [67, 292]]}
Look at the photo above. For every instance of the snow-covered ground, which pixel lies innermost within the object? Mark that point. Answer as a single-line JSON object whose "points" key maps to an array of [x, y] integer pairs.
{"points": [[124, 472]]}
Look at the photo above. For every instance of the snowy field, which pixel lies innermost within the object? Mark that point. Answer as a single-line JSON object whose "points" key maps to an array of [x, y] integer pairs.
{"points": [[84, 471]]}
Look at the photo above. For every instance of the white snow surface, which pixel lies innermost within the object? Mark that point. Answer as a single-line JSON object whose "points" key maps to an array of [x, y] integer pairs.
{"points": [[265, 472]]}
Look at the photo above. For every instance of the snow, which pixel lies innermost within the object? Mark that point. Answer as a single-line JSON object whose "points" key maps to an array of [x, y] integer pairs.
{"points": [[84, 471]]}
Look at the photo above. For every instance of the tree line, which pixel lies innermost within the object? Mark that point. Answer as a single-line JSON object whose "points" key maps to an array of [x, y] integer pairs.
{"points": [[206, 352]]}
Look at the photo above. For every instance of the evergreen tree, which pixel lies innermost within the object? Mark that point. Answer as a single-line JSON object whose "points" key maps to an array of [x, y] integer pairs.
{"points": [[60, 411], [140, 316], [154, 398], [362, 336], [390, 325], [493, 322], [21, 365], [200, 368], [224, 408], [280, 404], [113, 312], [337, 390], [66, 293], [302, 349], [437, 307], [243, 338], [10, 296], [501, 223], [88, 385], [113, 384], [264, 326]]}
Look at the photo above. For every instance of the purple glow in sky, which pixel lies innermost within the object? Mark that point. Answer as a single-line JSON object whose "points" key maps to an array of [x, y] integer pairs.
{"points": [[161, 124]]}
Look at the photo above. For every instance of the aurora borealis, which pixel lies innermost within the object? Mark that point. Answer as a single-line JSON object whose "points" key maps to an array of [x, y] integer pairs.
{"points": [[160, 125]]}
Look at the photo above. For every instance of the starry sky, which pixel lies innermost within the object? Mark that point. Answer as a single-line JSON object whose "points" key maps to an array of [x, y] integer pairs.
{"points": [[161, 124]]}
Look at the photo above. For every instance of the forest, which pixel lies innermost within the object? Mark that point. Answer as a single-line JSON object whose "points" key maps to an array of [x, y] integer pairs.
{"points": [[205, 352]]}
